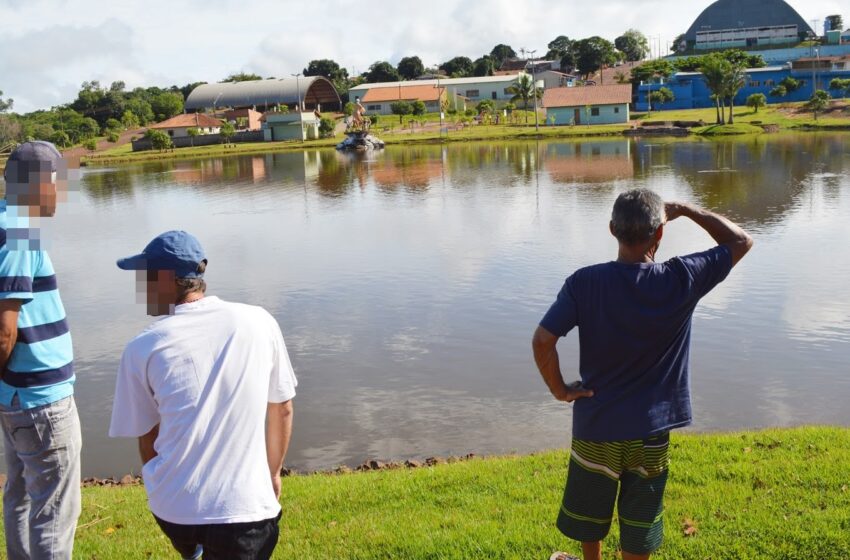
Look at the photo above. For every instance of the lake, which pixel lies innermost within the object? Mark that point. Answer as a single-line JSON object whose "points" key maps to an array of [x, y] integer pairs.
{"points": [[408, 282]]}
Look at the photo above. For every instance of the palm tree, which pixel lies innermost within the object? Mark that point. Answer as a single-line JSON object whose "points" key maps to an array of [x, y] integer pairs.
{"points": [[715, 69], [523, 88], [734, 80]]}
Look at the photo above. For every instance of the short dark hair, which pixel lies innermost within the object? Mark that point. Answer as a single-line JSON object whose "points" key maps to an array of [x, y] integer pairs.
{"points": [[637, 215], [186, 286]]}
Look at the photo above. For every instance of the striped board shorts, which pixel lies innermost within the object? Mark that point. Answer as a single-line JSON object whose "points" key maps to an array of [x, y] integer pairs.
{"points": [[637, 469]]}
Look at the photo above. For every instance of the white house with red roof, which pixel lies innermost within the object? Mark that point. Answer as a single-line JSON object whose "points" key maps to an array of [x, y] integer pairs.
{"points": [[176, 127]]}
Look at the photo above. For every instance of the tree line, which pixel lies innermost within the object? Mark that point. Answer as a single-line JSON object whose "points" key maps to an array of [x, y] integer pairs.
{"points": [[105, 111]]}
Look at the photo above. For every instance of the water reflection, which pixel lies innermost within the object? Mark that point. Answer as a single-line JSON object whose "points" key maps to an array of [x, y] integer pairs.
{"points": [[408, 281]]}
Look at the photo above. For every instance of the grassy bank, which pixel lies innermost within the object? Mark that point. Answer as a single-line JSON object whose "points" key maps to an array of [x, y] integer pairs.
{"points": [[124, 154], [777, 494]]}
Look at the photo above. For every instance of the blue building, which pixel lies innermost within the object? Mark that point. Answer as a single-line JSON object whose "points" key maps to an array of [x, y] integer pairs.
{"points": [[691, 92]]}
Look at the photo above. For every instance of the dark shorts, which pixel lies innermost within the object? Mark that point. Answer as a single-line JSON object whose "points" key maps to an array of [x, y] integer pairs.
{"points": [[598, 470], [227, 541]]}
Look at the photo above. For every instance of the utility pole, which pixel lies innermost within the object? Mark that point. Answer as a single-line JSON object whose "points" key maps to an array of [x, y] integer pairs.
{"points": [[298, 88], [526, 52]]}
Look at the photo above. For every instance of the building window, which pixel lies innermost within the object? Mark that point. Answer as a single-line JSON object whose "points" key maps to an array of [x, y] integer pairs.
{"points": [[171, 133], [594, 112], [494, 95], [755, 83], [616, 109], [373, 107], [508, 91], [472, 93]]}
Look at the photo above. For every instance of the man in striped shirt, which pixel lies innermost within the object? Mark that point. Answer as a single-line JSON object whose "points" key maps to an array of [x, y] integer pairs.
{"points": [[41, 428]]}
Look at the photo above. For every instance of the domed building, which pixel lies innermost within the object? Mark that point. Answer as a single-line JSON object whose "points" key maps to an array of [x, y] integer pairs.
{"points": [[748, 25]]}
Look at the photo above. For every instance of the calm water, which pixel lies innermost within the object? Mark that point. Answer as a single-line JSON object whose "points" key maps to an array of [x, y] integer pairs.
{"points": [[408, 283]]}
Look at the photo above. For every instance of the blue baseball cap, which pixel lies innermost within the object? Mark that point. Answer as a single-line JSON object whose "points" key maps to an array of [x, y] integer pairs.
{"points": [[173, 250], [29, 157]]}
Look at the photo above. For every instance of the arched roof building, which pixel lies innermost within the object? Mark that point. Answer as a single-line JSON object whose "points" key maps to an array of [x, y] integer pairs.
{"points": [[314, 92], [747, 24]]}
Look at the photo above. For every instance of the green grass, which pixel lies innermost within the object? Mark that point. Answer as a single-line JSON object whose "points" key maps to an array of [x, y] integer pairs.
{"points": [[728, 129], [776, 494]]}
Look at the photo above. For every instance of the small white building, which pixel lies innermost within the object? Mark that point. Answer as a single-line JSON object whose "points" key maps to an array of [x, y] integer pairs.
{"points": [[290, 126], [588, 104], [176, 127], [475, 89]]}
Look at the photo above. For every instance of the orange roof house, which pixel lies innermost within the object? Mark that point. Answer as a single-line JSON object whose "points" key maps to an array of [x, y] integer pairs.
{"points": [[588, 104], [176, 127]]}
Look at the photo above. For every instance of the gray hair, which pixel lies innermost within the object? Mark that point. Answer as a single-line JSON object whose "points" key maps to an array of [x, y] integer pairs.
{"points": [[637, 216]]}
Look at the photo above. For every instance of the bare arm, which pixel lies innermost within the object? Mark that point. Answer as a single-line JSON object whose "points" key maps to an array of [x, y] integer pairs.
{"points": [[545, 349], [722, 230], [9, 310], [278, 433], [146, 450]]}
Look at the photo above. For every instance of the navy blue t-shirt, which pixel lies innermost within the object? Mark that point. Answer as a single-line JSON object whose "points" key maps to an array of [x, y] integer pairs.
{"points": [[634, 325]]}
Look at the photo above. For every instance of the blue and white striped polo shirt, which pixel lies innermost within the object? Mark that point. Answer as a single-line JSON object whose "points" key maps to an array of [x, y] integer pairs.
{"points": [[41, 368]]}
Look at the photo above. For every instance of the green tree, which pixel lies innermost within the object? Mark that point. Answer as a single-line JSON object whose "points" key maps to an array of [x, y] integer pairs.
{"points": [[113, 136], [418, 107], [192, 133], [659, 97], [486, 106], [166, 105], [633, 44], [129, 120], [189, 88], [5, 104], [779, 91], [790, 84], [593, 54], [227, 131], [348, 108], [327, 127], [159, 140], [242, 77], [756, 101], [733, 81], [501, 53], [714, 70], [558, 47], [381, 72], [524, 89], [90, 145], [651, 70], [458, 67], [60, 138], [818, 102], [410, 67], [484, 66], [401, 108], [141, 108], [326, 67], [841, 85]]}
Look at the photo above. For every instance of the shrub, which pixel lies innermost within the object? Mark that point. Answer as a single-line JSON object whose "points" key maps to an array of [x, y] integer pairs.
{"points": [[90, 144], [112, 136], [326, 127]]}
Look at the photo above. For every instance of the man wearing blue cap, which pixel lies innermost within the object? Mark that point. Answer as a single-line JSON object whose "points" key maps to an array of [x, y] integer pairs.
{"points": [[41, 428], [207, 389]]}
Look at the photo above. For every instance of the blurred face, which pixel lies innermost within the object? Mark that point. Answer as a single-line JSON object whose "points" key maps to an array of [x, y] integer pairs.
{"points": [[41, 195], [158, 289]]}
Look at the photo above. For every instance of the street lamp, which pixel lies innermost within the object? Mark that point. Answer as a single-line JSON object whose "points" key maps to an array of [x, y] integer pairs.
{"points": [[533, 86], [298, 88]]}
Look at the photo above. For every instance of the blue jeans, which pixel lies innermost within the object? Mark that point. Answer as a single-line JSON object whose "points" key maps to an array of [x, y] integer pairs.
{"points": [[41, 500]]}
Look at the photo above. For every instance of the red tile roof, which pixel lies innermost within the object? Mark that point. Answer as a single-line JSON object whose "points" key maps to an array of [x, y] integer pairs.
{"points": [[197, 120], [403, 93], [587, 95]]}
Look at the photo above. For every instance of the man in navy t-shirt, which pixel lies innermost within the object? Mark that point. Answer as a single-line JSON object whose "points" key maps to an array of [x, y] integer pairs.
{"points": [[634, 321]]}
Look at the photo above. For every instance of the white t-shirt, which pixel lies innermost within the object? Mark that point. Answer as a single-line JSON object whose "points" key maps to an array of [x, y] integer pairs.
{"points": [[205, 375]]}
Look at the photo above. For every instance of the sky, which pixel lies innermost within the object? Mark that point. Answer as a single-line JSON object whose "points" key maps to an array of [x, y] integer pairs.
{"points": [[49, 47]]}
